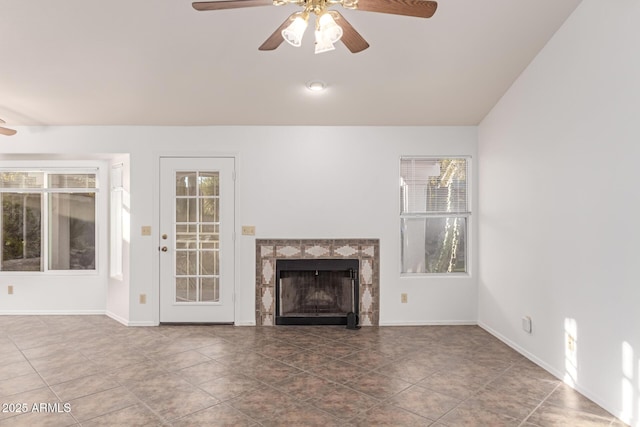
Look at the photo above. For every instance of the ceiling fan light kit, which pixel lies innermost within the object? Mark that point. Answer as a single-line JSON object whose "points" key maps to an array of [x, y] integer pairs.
{"points": [[331, 26], [327, 31], [6, 131]]}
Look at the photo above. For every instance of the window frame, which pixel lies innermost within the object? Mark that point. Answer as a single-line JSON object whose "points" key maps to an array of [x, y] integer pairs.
{"points": [[72, 168], [116, 219], [467, 215]]}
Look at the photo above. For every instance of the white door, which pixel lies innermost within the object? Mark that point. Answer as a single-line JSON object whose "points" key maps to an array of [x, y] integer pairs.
{"points": [[196, 239]]}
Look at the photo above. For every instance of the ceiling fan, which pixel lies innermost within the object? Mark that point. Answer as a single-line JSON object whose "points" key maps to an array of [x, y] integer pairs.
{"points": [[6, 131], [330, 24]]}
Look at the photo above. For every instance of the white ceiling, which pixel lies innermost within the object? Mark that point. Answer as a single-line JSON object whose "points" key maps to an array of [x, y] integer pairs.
{"points": [[160, 62]]}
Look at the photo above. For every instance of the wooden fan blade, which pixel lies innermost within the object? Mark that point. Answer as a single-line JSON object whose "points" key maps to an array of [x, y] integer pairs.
{"points": [[350, 37], [229, 4], [418, 8], [276, 38], [8, 132]]}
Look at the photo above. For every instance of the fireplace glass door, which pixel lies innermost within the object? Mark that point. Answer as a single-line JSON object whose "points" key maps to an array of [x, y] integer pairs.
{"points": [[316, 291]]}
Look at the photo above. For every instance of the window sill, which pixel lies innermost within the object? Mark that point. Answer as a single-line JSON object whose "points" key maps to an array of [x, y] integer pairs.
{"points": [[50, 273], [435, 275]]}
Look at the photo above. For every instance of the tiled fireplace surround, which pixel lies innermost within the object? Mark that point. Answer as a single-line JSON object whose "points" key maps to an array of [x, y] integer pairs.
{"points": [[366, 251]]}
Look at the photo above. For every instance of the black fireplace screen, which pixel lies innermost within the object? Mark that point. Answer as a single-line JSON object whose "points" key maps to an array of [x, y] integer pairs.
{"points": [[316, 291], [319, 293]]}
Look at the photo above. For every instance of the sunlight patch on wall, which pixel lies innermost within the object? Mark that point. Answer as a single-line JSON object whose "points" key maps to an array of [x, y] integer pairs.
{"points": [[571, 351], [126, 217]]}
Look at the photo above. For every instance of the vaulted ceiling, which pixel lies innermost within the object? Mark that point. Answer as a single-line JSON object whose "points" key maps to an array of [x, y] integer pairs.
{"points": [[160, 62]]}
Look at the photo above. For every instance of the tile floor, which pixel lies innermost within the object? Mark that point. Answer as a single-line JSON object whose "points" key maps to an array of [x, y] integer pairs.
{"points": [[92, 371]]}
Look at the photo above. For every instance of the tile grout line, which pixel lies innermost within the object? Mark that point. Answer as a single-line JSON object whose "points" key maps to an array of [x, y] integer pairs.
{"points": [[475, 393], [539, 405], [119, 409], [40, 375]]}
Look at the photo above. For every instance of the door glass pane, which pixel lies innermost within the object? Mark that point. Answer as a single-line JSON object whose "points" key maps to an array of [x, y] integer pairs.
{"points": [[209, 236], [209, 263], [186, 240], [209, 289], [185, 183], [209, 184], [186, 236], [186, 210], [186, 263], [209, 210], [186, 289], [197, 232], [186, 228], [21, 226]]}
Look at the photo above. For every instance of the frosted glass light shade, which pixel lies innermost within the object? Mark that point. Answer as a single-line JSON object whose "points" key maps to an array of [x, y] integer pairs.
{"points": [[322, 43], [331, 31], [294, 32]]}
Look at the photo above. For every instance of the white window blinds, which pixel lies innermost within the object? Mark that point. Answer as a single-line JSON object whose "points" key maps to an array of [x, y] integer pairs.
{"points": [[433, 186]]}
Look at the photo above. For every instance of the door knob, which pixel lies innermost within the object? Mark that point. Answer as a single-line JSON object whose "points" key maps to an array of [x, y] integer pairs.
{"points": [[164, 249]]}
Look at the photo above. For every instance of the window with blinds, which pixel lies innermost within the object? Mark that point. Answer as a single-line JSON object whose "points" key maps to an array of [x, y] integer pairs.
{"points": [[434, 212]]}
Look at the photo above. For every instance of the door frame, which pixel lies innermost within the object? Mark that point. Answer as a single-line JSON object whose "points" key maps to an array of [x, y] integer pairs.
{"points": [[154, 300]]}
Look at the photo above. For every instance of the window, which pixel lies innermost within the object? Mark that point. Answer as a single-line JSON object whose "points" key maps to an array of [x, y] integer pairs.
{"points": [[48, 215], [434, 215]]}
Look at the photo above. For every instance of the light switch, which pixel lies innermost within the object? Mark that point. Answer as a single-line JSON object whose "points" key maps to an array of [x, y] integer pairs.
{"points": [[249, 230], [145, 230]]}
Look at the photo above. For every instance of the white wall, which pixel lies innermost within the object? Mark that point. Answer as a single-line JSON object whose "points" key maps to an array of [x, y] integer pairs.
{"points": [[293, 182], [559, 194]]}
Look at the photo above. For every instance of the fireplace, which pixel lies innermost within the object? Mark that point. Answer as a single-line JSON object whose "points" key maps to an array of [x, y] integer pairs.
{"points": [[316, 291], [270, 252]]}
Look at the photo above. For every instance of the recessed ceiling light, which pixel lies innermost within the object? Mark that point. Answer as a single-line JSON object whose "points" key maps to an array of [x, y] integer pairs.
{"points": [[316, 86]]}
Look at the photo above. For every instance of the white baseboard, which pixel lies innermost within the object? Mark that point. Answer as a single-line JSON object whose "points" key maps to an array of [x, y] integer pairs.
{"points": [[117, 318], [522, 351], [245, 323], [113, 316], [431, 323], [51, 312], [142, 323], [558, 374]]}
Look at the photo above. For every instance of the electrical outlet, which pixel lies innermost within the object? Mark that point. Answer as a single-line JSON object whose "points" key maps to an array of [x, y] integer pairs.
{"points": [[404, 298], [145, 230], [571, 343], [143, 298], [248, 230], [10, 289], [526, 324]]}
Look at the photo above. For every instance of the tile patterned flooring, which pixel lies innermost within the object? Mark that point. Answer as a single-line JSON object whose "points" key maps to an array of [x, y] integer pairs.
{"points": [[111, 375]]}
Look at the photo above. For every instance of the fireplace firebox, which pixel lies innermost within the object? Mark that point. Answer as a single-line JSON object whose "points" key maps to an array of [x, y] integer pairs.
{"points": [[316, 291]]}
